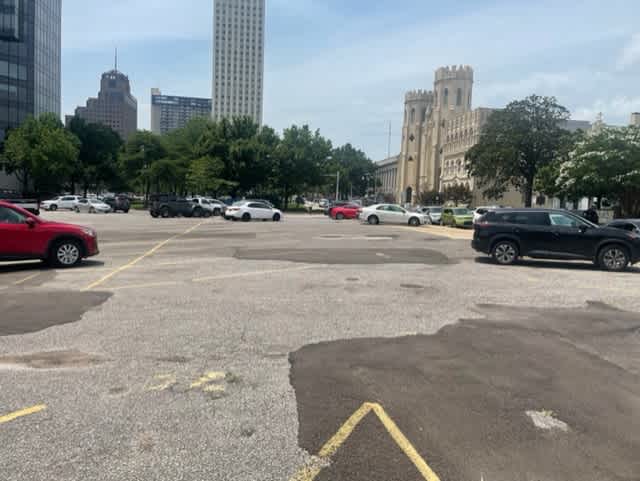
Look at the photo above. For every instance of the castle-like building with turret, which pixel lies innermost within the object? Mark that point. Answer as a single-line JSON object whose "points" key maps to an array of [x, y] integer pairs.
{"points": [[439, 127]]}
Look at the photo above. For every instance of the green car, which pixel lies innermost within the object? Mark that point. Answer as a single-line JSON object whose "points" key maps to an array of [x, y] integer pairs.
{"points": [[457, 217]]}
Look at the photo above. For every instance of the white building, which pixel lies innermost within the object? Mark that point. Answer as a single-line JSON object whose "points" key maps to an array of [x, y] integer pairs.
{"points": [[238, 58]]}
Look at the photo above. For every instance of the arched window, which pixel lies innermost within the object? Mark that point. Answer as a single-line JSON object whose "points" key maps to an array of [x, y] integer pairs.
{"points": [[412, 118], [459, 98], [424, 114], [446, 97]]}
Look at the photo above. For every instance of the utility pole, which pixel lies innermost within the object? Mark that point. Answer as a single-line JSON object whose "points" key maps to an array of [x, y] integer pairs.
{"points": [[338, 186]]}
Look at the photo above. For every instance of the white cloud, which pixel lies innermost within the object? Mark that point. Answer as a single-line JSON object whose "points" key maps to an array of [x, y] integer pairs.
{"points": [[630, 54], [540, 83], [616, 110]]}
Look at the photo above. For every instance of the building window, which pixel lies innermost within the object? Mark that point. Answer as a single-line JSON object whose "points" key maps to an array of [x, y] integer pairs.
{"points": [[459, 98], [412, 118], [424, 115], [446, 97]]}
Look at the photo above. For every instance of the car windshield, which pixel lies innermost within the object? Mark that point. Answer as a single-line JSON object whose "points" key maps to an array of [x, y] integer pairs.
{"points": [[461, 211], [435, 210]]}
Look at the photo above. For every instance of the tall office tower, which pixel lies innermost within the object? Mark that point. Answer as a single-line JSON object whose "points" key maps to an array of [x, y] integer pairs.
{"points": [[238, 58], [169, 112], [30, 69], [115, 106]]}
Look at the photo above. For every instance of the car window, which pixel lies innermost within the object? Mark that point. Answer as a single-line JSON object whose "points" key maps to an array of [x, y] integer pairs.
{"points": [[67, 198], [448, 211], [563, 220], [520, 218], [382, 207], [461, 211], [435, 210], [10, 216], [482, 211], [395, 208], [255, 205]]}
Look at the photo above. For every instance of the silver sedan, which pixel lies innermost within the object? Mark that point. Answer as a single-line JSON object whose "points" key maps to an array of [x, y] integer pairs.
{"points": [[92, 206]]}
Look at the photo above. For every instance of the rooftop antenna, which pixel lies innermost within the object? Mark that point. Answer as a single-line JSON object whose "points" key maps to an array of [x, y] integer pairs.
{"points": [[116, 59]]}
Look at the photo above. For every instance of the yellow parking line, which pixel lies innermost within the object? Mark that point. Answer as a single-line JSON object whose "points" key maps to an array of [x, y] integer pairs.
{"points": [[150, 252], [26, 279], [310, 472], [23, 412]]}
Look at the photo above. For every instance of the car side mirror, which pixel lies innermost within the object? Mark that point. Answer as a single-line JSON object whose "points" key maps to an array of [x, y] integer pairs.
{"points": [[30, 222]]}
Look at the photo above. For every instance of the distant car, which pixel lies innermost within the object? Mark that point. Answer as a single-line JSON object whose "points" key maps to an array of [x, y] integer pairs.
{"points": [[203, 207], [349, 211], [64, 202], [508, 234], [247, 211], [330, 205], [118, 203], [457, 217], [218, 206], [434, 213], [391, 214], [170, 205], [24, 236], [480, 211], [30, 205], [92, 206], [629, 225]]}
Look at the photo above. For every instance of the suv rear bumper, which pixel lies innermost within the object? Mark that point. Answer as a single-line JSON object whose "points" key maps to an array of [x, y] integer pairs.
{"points": [[481, 245]]}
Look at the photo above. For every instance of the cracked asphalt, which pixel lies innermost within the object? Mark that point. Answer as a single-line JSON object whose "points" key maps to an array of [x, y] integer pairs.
{"points": [[234, 351]]}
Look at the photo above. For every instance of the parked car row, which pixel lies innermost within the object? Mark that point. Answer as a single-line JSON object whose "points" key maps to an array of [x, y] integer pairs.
{"points": [[92, 205]]}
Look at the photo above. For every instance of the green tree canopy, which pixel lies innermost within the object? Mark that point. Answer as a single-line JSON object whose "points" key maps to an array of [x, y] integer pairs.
{"points": [[41, 153], [515, 144], [98, 155]]}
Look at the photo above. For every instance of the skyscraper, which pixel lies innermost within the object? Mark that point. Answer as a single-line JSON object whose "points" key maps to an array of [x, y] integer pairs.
{"points": [[169, 112], [115, 106], [30, 71], [238, 58]]}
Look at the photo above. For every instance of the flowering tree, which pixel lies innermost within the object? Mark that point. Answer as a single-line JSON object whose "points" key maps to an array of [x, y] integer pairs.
{"points": [[605, 165]]}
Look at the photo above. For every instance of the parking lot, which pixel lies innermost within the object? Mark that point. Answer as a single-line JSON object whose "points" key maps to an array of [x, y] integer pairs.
{"points": [[195, 349]]}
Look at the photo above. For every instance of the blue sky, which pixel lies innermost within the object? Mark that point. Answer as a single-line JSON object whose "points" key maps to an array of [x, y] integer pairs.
{"points": [[343, 65]]}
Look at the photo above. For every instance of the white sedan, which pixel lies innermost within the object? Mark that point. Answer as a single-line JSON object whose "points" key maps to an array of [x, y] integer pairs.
{"points": [[247, 211], [92, 206], [392, 214], [62, 202]]}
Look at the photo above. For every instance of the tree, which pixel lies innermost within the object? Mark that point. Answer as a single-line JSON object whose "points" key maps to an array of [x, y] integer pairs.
{"points": [[515, 144], [357, 171], [431, 197], [98, 156], [604, 165], [300, 161], [41, 153], [457, 193], [142, 150], [204, 175]]}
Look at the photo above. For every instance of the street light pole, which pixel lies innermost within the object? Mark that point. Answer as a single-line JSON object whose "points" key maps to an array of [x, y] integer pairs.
{"points": [[337, 186]]}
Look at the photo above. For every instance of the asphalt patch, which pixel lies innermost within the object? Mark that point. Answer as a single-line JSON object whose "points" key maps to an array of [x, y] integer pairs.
{"points": [[52, 360], [465, 396], [28, 312], [346, 256]]}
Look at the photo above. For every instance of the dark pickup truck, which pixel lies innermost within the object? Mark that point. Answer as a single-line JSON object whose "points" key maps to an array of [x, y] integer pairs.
{"points": [[31, 205], [169, 205]]}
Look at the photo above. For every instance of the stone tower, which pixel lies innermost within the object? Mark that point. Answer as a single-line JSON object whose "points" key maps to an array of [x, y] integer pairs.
{"points": [[418, 109], [453, 87], [635, 119]]}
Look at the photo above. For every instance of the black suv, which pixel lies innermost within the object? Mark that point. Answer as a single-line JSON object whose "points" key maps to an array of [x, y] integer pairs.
{"points": [[508, 234], [169, 205], [118, 202]]}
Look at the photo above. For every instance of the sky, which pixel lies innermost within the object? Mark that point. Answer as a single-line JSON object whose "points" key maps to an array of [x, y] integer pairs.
{"points": [[343, 66]]}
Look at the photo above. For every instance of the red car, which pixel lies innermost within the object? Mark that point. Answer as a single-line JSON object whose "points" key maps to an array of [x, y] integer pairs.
{"points": [[24, 236], [344, 212]]}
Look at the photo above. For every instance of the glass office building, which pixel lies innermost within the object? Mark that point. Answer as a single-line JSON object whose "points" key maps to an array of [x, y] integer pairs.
{"points": [[30, 69]]}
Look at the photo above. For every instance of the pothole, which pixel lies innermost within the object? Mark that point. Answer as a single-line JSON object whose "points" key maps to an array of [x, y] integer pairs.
{"points": [[51, 360]]}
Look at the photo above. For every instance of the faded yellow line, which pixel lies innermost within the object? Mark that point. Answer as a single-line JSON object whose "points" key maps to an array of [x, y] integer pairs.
{"points": [[150, 252], [311, 471], [251, 274], [26, 279], [23, 412]]}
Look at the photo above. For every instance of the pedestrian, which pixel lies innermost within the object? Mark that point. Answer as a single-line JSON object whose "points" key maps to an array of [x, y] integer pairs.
{"points": [[592, 215]]}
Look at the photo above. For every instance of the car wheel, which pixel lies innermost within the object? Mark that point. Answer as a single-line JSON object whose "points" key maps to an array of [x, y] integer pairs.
{"points": [[66, 253], [246, 217], [165, 213], [208, 214], [198, 212], [505, 253], [276, 217], [126, 211], [613, 258], [414, 222], [217, 212], [373, 220], [339, 216], [154, 215], [92, 210], [77, 209], [53, 208]]}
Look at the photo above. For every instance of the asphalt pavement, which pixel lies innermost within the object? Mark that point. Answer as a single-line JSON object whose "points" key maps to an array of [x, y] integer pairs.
{"points": [[195, 349]]}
